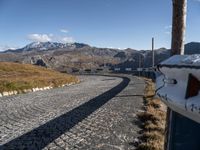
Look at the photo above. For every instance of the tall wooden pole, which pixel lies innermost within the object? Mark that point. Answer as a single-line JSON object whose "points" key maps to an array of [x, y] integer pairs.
{"points": [[178, 26], [177, 48]]}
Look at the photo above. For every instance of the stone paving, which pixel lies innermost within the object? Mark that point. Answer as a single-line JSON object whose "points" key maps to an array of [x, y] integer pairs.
{"points": [[99, 113]]}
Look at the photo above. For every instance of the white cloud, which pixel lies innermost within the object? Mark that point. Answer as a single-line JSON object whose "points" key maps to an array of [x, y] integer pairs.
{"points": [[40, 37], [64, 31], [167, 32], [50, 37], [168, 27], [67, 39], [6, 47]]}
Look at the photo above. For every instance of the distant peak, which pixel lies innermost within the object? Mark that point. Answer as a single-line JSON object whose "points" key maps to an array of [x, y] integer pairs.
{"points": [[51, 45], [192, 43]]}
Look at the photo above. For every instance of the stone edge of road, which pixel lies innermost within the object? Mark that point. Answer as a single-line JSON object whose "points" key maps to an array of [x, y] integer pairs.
{"points": [[9, 93]]}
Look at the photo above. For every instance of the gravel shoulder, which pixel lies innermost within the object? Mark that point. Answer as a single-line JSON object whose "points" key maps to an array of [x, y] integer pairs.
{"points": [[98, 113]]}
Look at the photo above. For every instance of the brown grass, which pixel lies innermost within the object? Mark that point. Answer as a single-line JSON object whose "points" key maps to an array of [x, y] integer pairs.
{"points": [[153, 120], [14, 76]]}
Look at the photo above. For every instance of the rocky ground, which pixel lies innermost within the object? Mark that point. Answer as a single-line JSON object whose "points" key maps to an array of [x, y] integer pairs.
{"points": [[98, 113]]}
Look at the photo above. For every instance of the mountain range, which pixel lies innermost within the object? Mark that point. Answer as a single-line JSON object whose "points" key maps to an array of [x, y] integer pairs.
{"points": [[72, 56]]}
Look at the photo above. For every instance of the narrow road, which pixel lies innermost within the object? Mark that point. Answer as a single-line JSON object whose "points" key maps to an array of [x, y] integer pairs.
{"points": [[99, 113]]}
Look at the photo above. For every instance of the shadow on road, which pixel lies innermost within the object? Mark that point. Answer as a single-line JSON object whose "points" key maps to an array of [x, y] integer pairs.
{"points": [[40, 137]]}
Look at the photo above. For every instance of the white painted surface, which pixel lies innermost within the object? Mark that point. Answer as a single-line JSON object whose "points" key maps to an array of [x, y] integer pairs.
{"points": [[139, 69], [117, 69], [128, 69], [188, 60], [174, 94], [9, 93], [192, 59]]}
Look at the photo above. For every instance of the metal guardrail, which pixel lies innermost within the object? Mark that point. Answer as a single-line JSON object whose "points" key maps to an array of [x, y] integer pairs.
{"points": [[148, 74]]}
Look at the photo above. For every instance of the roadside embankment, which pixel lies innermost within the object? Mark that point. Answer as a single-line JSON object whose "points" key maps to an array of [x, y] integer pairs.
{"points": [[153, 120], [18, 78]]}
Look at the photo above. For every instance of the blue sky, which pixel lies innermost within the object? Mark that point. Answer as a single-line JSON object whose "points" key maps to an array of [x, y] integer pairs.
{"points": [[101, 23]]}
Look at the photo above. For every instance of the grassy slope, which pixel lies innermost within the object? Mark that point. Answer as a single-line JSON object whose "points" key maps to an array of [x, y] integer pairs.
{"points": [[153, 120], [14, 76]]}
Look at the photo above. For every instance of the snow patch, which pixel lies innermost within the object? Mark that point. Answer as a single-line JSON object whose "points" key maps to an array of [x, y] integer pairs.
{"points": [[193, 59], [188, 60]]}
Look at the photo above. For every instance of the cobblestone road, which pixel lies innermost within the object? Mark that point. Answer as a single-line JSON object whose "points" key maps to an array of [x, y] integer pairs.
{"points": [[98, 113]]}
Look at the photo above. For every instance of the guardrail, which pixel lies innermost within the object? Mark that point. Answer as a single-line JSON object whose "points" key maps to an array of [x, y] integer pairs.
{"points": [[148, 74], [178, 87]]}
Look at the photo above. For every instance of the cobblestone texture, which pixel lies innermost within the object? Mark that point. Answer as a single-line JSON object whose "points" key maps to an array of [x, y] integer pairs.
{"points": [[98, 113]]}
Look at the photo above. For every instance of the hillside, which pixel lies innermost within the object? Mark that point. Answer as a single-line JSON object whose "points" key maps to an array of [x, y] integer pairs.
{"points": [[14, 76], [61, 57], [192, 48], [71, 57]]}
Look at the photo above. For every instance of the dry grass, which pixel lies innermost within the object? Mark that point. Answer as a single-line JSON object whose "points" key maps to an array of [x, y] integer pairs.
{"points": [[153, 121], [14, 76]]}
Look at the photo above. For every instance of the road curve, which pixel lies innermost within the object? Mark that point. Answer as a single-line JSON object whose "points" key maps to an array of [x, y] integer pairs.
{"points": [[98, 113]]}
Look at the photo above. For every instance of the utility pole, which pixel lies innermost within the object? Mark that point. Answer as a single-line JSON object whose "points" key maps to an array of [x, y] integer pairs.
{"points": [[139, 64], [153, 53], [178, 26], [177, 48]]}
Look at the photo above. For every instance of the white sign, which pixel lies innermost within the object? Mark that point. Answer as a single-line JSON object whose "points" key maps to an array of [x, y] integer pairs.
{"points": [[117, 69], [128, 69], [139, 69], [179, 85]]}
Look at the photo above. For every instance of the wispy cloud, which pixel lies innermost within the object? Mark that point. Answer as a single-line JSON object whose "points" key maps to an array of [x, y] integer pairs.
{"points": [[6, 47], [168, 29], [50, 37], [67, 39], [40, 37], [64, 30], [167, 32]]}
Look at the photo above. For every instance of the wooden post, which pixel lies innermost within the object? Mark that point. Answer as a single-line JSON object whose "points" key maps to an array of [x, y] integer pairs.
{"points": [[178, 26], [177, 48]]}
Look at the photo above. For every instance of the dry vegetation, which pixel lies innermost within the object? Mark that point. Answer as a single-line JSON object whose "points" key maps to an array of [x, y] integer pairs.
{"points": [[153, 120], [14, 76]]}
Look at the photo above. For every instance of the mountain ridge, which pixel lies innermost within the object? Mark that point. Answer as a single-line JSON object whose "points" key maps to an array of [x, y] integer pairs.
{"points": [[39, 46], [72, 56]]}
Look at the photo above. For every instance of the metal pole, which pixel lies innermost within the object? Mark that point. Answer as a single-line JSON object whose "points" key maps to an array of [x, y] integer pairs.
{"points": [[153, 53], [139, 64]]}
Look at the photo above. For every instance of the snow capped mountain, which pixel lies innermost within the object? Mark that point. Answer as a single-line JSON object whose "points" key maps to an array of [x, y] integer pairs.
{"points": [[49, 45], [43, 46]]}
